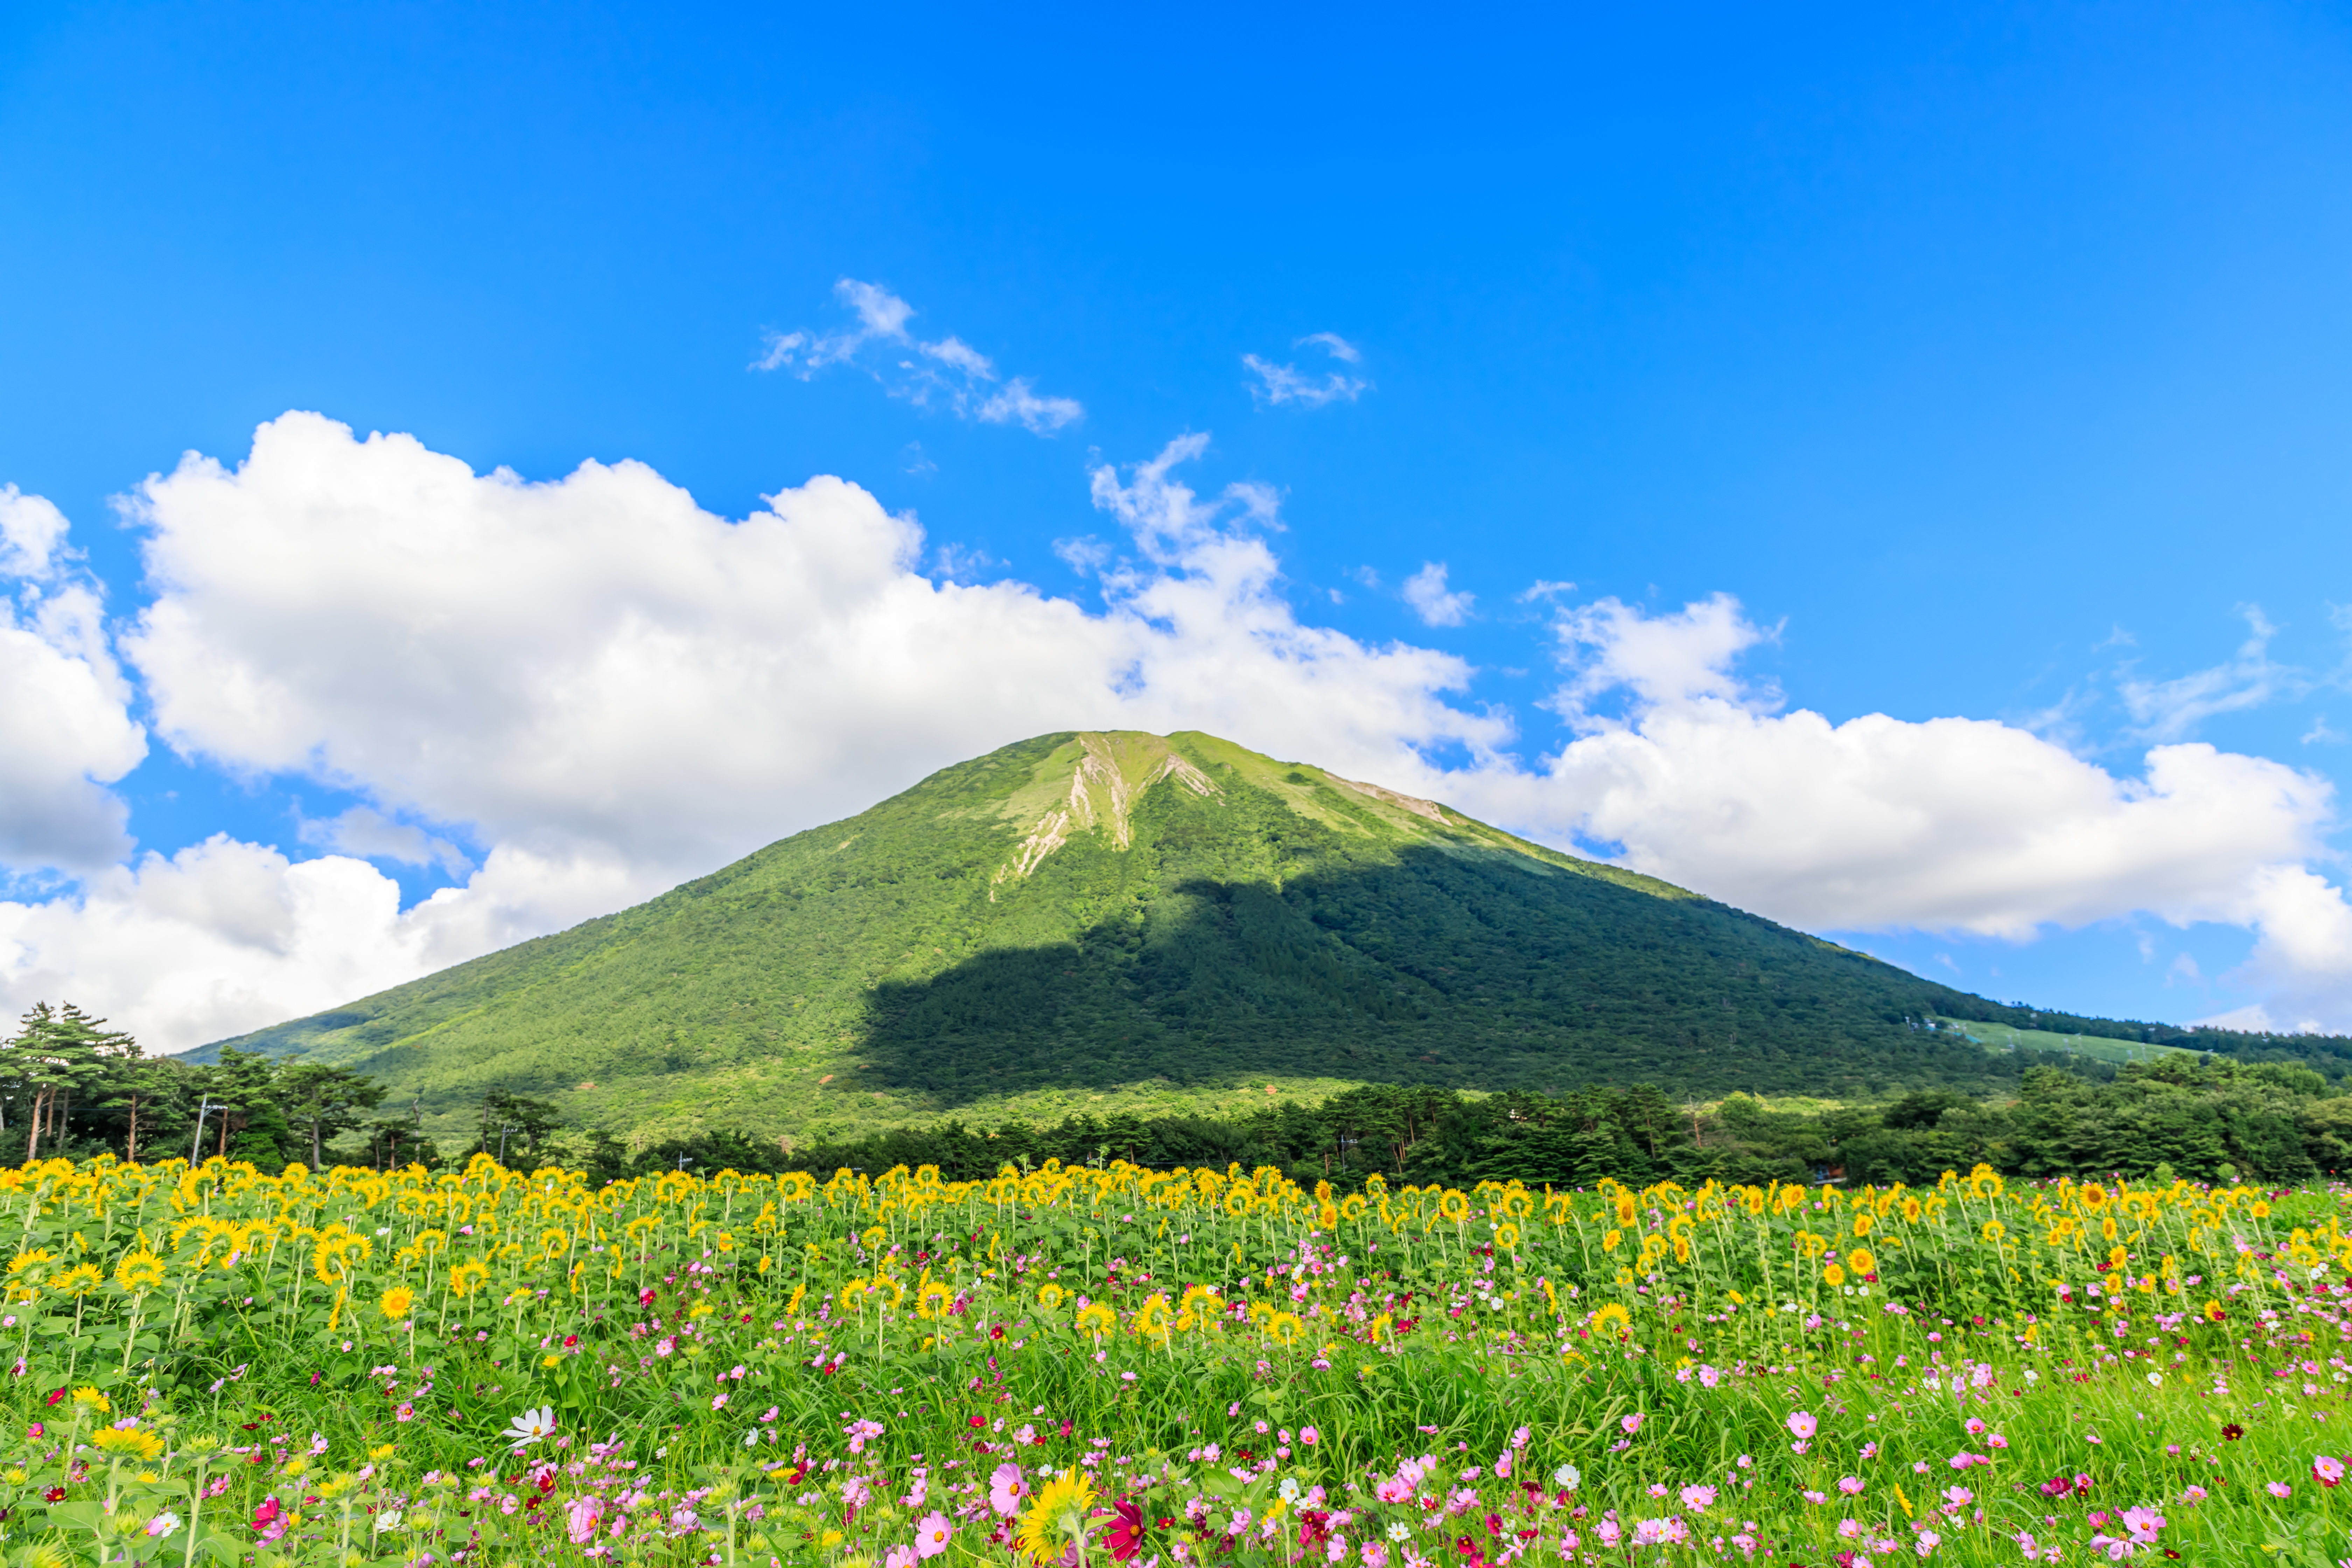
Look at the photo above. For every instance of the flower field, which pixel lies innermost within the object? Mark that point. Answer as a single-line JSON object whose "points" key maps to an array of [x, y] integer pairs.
{"points": [[1090, 1365]]}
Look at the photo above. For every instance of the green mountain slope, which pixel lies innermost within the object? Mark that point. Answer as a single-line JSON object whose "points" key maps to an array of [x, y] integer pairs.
{"points": [[1127, 921]]}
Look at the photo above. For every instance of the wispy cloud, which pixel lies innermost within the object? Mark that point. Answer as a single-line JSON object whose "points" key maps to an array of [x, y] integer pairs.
{"points": [[2165, 710], [1278, 384], [1425, 591], [948, 374]]}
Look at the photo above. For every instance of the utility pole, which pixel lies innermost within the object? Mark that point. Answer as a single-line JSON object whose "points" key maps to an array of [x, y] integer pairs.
{"points": [[504, 1127], [196, 1148]]}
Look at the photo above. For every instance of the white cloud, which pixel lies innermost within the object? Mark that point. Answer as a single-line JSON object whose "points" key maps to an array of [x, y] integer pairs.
{"points": [[32, 531], [66, 731], [1339, 347], [1278, 384], [1945, 825], [224, 936], [618, 690], [614, 689], [2171, 710], [1426, 592], [950, 373], [371, 836]]}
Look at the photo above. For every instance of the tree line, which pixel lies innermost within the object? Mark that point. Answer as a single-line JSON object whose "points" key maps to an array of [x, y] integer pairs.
{"points": [[70, 1085]]}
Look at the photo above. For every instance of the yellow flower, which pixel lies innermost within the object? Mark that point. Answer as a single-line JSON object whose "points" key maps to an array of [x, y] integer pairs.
{"points": [[1611, 1319], [1050, 1296], [395, 1302], [1454, 1206], [467, 1276], [1612, 1240], [93, 1399], [138, 1271], [1994, 1230], [1507, 1237], [1056, 1519], [1097, 1320], [1861, 1261], [34, 1259], [1832, 1275], [853, 1295], [127, 1445], [79, 1280], [551, 1360], [1284, 1328]]}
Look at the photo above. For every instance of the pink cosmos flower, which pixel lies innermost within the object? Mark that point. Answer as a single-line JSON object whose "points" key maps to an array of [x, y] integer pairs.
{"points": [[1850, 1485], [2326, 1471], [2143, 1523], [898, 1557], [1006, 1488], [858, 1432], [581, 1517], [1632, 1424], [1803, 1426], [931, 1535], [2278, 1489], [1698, 1499]]}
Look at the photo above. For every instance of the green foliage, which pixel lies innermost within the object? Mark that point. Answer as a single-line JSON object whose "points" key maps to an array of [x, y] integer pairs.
{"points": [[2208, 1118], [1202, 922]]}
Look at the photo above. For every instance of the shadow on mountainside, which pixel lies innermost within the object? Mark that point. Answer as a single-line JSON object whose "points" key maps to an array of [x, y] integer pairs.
{"points": [[1468, 969]]}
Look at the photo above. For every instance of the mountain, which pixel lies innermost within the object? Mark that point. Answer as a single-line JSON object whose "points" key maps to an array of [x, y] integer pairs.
{"points": [[1127, 921]]}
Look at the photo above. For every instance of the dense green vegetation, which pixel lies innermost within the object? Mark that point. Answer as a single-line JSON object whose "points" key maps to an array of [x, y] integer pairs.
{"points": [[1202, 922], [2210, 1119]]}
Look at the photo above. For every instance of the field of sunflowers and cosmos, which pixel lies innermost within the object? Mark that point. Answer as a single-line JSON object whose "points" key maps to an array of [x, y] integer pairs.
{"points": [[1089, 1366]]}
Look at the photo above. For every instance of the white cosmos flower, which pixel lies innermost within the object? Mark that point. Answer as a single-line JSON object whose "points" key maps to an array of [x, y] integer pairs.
{"points": [[1567, 1478], [531, 1426]]}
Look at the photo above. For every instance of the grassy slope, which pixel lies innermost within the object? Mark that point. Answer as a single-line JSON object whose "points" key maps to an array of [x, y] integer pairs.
{"points": [[1281, 929], [2002, 1037]]}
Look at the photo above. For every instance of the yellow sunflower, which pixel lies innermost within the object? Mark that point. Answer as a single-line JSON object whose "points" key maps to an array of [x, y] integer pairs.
{"points": [[1056, 1519], [395, 1302]]}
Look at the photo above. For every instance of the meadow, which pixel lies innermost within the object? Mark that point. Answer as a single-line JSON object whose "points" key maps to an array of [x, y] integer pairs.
{"points": [[1084, 1365]]}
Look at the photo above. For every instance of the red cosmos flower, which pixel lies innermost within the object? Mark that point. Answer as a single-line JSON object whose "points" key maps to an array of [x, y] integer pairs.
{"points": [[572, 1342], [36, 1430], [1067, 1428], [1314, 1527], [977, 1422], [268, 1520], [1493, 1525], [55, 1494], [645, 1296], [997, 1331], [2234, 1431], [2057, 1486], [57, 1397], [1125, 1535]]}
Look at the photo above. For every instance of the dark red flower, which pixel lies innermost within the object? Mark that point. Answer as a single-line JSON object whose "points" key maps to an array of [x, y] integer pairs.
{"points": [[977, 1422], [572, 1342], [2234, 1431], [997, 1331], [1067, 1428], [1493, 1525], [1125, 1535], [57, 1397], [55, 1494], [2057, 1486]]}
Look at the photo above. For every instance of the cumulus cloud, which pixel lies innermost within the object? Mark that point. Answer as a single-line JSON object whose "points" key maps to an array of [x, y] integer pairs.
{"points": [[617, 691], [1944, 825], [1426, 592], [224, 936], [949, 374], [610, 689], [66, 730], [1280, 385]]}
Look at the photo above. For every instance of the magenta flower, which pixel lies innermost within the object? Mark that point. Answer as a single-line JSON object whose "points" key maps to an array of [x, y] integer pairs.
{"points": [[931, 1535], [2326, 1471]]}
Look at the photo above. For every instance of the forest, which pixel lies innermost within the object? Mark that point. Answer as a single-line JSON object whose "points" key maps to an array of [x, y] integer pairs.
{"points": [[70, 1085]]}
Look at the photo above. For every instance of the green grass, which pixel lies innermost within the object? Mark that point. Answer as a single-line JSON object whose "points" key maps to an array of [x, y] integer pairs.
{"points": [[2098, 1048]]}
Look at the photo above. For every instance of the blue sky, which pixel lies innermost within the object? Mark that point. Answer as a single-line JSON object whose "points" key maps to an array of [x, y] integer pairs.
{"points": [[1994, 359]]}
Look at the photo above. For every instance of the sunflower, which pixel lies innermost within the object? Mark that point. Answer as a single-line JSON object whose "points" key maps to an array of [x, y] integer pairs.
{"points": [[138, 1271], [1612, 1240], [1861, 1261], [121, 1444], [1507, 1237], [79, 1280], [1611, 1319], [853, 1295], [932, 1300], [1050, 1296], [1994, 1230], [1056, 1518], [467, 1276], [1454, 1206], [395, 1302], [1284, 1328], [1097, 1320]]}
